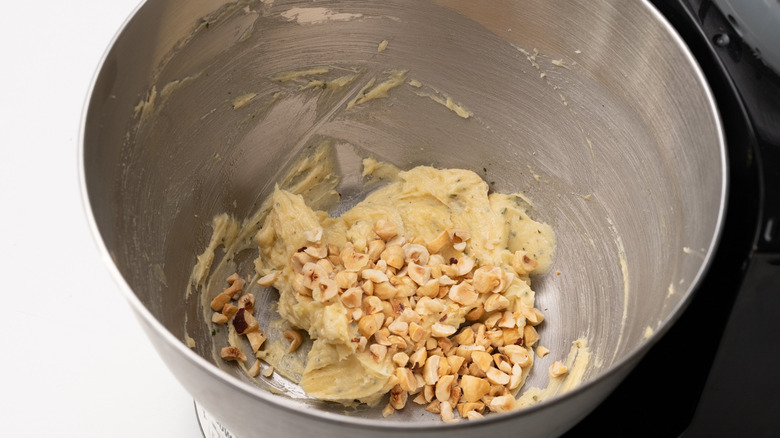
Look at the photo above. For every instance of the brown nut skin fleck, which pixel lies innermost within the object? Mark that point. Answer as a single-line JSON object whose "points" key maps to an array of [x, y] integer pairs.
{"points": [[244, 322]]}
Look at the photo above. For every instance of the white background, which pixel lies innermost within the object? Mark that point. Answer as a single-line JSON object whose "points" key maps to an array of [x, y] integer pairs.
{"points": [[74, 360]]}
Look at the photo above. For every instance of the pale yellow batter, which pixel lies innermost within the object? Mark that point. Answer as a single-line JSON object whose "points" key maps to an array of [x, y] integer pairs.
{"points": [[422, 205], [421, 290]]}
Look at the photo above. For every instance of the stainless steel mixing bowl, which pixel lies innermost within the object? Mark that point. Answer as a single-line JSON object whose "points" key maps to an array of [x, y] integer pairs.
{"points": [[595, 110]]}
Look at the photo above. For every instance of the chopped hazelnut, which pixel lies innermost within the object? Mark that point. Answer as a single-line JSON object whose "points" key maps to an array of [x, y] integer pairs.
{"points": [[325, 290], [474, 415], [372, 305], [382, 336], [497, 376], [314, 235], [374, 275], [418, 358], [361, 342], [375, 249], [492, 320], [298, 287], [466, 336], [465, 265], [443, 387], [378, 352], [502, 403], [532, 315], [417, 333], [219, 301], [352, 260], [502, 362], [236, 286], [400, 359], [295, 338], [459, 238], [522, 264], [558, 369], [406, 380], [518, 355], [455, 362], [254, 370], [318, 251], [229, 310], [394, 256], [299, 259], [428, 393], [368, 287], [420, 399], [219, 318], [415, 253], [369, 324], [326, 265], [385, 229], [438, 242], [465, 408], [442, 330], [387, 411], [530, 335], [244, 322], [232, 353], [446, 412], [398, 327], [256, 339], [398, 397], [418, 273], [431, 370], [346, 279], [488, 279], [384, 290], [475, 313], [232, 278], [483, 360], [516, 377], [409, 315], [473, 388], [268, 279], [434, 407], [511, 335], [445, 280], [507, 320], [312, 274], [455, 394], [397, 342], [247, 301], [463, 294], [496, 302], [352, 298]]}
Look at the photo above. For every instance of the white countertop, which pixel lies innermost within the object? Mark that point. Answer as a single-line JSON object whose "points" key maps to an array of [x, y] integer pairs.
{"points": [[75, 360]]}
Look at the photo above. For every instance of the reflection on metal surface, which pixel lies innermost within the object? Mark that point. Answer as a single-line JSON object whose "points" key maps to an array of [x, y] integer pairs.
{"points": [[210, 426]]}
